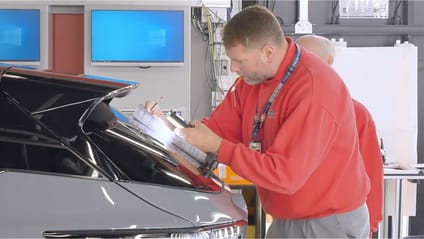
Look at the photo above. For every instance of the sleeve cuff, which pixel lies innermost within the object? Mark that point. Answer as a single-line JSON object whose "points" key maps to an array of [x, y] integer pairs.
{"points": [[224, 152]]}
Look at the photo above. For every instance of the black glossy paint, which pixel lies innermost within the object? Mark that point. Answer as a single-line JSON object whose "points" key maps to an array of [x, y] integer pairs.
{"points": [[40, 124]]}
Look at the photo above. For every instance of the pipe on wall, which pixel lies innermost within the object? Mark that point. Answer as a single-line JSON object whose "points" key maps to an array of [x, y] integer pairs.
{"points": [[361, 30]]}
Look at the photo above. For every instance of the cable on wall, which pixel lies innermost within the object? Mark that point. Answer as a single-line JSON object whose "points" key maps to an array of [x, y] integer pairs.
{"points": [[196, 23], [396, 18], [210, 22], [203, 29], [335, 16], [211, 28]]}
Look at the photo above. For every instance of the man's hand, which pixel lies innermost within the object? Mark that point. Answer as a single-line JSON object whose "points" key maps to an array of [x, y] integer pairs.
{"points": [[153, 108], [201, 137]]}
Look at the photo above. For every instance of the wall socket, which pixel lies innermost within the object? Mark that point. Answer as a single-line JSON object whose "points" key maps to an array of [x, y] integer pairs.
{"points": [[222, 67]]}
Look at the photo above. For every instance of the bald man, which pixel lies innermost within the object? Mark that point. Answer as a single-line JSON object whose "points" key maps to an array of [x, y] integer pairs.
{"points": [[368, 140]]}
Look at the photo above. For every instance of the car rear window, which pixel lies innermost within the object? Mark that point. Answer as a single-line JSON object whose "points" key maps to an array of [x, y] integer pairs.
{"points": [[26, 145], [43, 158], [142, 159]]}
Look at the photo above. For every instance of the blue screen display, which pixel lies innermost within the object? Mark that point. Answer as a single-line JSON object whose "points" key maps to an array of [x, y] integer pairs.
{"points": [[19, 34], [137, 36]]}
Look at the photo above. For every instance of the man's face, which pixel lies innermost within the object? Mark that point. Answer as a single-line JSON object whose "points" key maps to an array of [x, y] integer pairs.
{"points": [[250, 64]]}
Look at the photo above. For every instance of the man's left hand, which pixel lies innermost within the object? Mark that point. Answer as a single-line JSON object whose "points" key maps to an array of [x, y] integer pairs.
{"points": [[200, 136]]}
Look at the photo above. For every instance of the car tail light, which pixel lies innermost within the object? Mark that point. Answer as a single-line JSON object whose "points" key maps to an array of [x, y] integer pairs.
{"points": [[224, 231], [229, 232]]}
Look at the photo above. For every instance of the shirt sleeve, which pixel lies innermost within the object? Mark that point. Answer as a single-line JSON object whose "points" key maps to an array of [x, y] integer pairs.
{"points": [[370, 152], [226, 116]]}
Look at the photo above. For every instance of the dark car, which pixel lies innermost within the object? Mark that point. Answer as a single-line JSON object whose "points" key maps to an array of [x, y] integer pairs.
{"points": [[70, 169]]}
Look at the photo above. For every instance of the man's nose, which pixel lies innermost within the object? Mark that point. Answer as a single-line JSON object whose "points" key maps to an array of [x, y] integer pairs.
{"points": [[234, 67]]}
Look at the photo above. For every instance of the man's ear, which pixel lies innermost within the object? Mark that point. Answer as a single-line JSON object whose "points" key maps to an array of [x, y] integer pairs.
{"points": [[330, 60], [268, 51]]}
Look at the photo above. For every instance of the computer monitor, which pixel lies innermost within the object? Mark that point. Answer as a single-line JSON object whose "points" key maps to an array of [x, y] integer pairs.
{"points": [[19, 35], [137, 37]]}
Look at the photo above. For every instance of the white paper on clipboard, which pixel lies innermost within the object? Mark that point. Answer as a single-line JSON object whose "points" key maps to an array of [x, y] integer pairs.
{"points": [[156, 128]]}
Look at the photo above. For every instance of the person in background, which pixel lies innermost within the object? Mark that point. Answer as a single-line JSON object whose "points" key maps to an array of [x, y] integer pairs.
{"points": [[368, 138], [288, 126]]}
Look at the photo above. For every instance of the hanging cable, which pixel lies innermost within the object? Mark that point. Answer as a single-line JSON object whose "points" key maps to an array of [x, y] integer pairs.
{"points": [[335, 16], [396, 19], [211, 43], [196, 23]]}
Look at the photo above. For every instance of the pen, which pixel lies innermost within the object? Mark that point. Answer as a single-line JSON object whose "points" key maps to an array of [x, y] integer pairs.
{"points": [[156, 103]]}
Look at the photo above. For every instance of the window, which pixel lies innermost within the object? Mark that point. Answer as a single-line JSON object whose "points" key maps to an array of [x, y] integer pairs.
{"points": [[43, 158], [142, 161], [364, 8]]}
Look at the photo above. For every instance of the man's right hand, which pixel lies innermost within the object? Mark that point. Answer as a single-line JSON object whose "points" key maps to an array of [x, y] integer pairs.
{"points": [[153, 108]]}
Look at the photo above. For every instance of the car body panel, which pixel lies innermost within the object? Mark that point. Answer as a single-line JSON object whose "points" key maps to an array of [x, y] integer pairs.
{"points": [[72, 178], [46, 95], [35, 203], [200, 208]]}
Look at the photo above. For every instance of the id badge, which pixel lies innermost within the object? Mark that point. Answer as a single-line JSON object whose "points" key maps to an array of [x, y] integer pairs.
{"points": [[255, 145]]}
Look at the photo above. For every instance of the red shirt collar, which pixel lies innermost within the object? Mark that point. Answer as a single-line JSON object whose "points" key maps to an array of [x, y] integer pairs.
{"points": [[288, 59]]}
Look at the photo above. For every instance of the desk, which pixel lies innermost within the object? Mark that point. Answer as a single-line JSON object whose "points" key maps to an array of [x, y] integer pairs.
{"points": [[398, 175]]}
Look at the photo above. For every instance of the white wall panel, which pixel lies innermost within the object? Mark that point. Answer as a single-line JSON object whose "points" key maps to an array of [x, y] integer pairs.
{"points": [[384, 79]]}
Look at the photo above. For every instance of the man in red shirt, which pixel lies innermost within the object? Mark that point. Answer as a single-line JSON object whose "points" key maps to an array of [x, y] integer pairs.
{"points": [[288, 126], [368, 139]]}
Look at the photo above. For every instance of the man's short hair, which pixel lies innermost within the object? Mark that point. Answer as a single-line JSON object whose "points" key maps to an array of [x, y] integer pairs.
{"points": [[252, 27]]}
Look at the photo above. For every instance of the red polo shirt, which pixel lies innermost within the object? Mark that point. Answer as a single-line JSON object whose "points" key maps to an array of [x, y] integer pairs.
{"points": [[310, 165]]}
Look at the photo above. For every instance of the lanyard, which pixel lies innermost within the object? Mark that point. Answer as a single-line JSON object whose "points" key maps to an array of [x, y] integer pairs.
{"points": [[258, 121]]}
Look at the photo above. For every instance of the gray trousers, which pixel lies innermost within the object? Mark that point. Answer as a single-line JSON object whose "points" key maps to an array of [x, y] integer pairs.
{"points": [[354, 224]]}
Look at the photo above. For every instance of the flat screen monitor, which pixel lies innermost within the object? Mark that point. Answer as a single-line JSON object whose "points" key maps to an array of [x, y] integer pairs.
{"points": [[137, 37], [20, 35]]}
